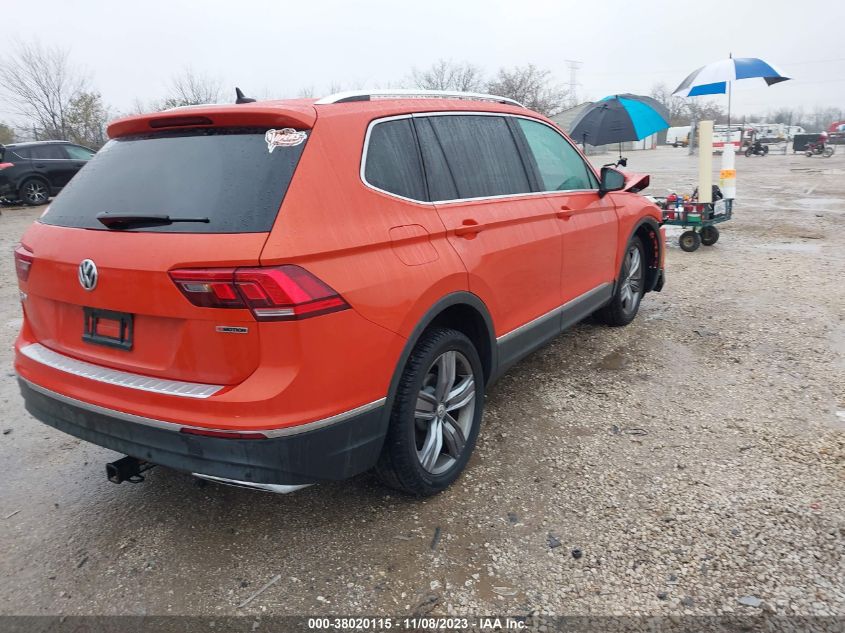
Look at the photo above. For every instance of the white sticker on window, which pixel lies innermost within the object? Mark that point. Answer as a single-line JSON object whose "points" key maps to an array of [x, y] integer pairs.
{"points": [[286, 137]]}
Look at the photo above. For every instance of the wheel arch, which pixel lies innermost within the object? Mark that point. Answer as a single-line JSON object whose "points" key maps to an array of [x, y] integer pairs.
{"points": [[648, 230], [462, 311]]}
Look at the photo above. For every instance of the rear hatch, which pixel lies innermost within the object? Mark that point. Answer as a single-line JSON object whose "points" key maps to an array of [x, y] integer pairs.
{"points": [[152, 201]]}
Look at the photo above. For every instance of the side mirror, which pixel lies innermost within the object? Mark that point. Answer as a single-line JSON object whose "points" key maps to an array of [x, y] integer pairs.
{"points": [[611, 180]]}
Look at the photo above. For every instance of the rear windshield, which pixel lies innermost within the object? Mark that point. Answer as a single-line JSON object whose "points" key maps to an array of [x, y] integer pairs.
{"points": [[229, 176]]}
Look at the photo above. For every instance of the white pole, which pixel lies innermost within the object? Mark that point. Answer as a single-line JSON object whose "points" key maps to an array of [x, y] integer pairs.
{"points": [[705, 161], [727, 176]]}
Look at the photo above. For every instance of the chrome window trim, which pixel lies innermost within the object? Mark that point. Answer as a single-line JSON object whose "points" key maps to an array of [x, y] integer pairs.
{"points": [[363, 167], [420, 115], [175, 426], [91, 371], [551, 313]]}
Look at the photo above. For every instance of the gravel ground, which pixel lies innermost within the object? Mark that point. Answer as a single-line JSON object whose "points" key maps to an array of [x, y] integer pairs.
{"points": [[687, 464]]}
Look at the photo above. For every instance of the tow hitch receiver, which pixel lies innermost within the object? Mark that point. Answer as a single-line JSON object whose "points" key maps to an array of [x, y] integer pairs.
{"points": [[127, 469]]}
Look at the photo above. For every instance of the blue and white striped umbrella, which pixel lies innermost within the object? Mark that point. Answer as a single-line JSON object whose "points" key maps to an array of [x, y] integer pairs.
{"points": [[713, 79]]}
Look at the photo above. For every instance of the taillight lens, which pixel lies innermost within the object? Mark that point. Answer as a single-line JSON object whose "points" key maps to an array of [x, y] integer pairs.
{"points": [[23, 261], [279, 293], [6, 165]]}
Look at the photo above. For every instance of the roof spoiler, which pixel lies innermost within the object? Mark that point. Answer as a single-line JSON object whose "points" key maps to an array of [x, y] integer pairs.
{"points": [[265, 115]]}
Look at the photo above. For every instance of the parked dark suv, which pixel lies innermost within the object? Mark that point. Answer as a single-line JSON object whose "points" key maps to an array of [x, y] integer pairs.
{"points": [[32, 172]]}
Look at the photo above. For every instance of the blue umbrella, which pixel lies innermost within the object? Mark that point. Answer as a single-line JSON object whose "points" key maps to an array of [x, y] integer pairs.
{"points": [[619, 118], [716, 78]]}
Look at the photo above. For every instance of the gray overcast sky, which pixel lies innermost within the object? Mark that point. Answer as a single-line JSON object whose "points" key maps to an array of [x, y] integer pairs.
{"points": [[131, 50]]}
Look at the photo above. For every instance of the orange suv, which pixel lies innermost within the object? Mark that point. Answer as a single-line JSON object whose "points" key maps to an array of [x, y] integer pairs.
{"points": [[273, 294]]}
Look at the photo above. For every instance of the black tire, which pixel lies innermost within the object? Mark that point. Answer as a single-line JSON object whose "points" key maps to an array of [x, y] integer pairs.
{"points": [[689, 241], [748, 152], [623, 306], [709, 235], [765, 150], [400, 465], [34, 191]]}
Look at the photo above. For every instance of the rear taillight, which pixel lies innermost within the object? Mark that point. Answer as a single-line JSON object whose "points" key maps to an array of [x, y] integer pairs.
{"points": [[279, 293], [23, 261], [6, 165]]}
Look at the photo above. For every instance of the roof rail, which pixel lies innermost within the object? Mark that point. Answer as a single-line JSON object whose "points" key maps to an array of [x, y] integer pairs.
{"points": [[404, 93]]}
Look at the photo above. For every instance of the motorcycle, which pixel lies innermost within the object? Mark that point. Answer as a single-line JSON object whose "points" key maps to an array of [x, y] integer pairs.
{"points": [[757, 149], [819, 149]]}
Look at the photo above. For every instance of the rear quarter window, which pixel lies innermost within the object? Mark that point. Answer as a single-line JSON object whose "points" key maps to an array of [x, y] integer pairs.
{"points": [[225, 174], [393, 160]]}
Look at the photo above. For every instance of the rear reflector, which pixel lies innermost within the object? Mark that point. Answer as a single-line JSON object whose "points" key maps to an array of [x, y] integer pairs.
{"points": [[6, 165], [280, 293], [23, 262], [229, 435]]}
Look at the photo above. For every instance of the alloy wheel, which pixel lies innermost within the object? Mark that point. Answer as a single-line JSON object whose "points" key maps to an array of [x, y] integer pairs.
{"points": [[632, 281], [444, 412], [35, 192]]}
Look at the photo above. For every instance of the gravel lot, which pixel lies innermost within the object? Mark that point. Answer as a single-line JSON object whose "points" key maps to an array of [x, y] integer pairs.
{"points": [[686, 464]]}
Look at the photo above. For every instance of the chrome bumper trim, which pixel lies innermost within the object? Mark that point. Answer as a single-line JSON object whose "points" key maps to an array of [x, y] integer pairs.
{"points": [[175, 426], [60, 362], [281, 489]]}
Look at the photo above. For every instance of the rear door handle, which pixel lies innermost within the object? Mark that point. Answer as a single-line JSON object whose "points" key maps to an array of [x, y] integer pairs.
{"points": [[470, 228], [565, 212]]}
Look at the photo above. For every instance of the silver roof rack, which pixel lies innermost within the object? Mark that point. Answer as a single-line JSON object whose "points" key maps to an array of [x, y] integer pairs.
{"points": [[404, 93]]}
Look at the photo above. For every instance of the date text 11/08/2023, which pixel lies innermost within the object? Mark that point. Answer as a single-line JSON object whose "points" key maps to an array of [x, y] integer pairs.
{"points": [[416, 624]]}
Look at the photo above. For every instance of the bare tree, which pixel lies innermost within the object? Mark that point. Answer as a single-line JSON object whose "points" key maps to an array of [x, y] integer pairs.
{"points": [[40, 85], [191, 88], [821, 117], [449, 75], [531, 86], [706, 111], [788, 116], [677, 106]]}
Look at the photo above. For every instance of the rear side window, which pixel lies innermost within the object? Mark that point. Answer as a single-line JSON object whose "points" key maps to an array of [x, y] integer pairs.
{"points": [[441, 184], [481, 155], [20, 152], [393, 160], [79, 153], [48, 152], [561, 167], [226, 175]]}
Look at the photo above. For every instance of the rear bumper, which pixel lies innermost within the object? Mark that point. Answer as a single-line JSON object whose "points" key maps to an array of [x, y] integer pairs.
{"points": [[344, 446]]}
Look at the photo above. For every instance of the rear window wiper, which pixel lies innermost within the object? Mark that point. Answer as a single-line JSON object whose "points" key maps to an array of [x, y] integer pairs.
{"points": [[129, 220]]}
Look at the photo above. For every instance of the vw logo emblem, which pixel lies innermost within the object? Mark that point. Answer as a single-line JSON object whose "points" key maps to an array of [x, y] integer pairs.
{"points": [[87, 274]]}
